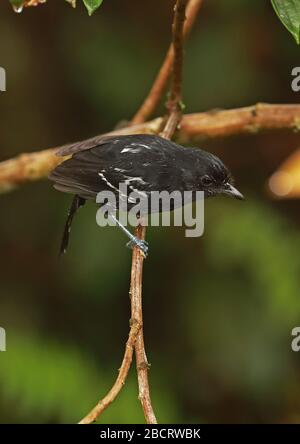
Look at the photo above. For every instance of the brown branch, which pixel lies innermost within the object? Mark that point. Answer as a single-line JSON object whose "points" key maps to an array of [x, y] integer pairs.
{"points": [[193, 128], [120, 381], [173, 120], [174, 104], [154, 96], [26, 168], [142, 364], [248, 120]]}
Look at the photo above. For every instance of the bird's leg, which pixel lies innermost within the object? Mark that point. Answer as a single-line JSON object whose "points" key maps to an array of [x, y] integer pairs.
{"points": [[134, 241]]}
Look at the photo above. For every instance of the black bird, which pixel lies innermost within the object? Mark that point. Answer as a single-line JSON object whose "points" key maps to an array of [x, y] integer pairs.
{"points": [[146, 162]]}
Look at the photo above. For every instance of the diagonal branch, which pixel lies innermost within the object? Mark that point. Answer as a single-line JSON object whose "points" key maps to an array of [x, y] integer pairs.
{"points": [[154, 96], [174, 104], [120, 381]]}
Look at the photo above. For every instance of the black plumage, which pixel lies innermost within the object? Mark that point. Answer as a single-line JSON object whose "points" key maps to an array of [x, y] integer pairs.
{"points": [[149, 163], [145, 163]]}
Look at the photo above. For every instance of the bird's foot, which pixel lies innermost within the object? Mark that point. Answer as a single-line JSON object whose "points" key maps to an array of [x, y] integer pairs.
{"points": [[141, 244]]}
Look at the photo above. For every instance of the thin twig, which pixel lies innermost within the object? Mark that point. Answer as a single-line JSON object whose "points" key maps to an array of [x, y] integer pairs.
{"points": [[174, 104], [142, 364], [193, 128], [137, 257], [155, 94], [120, 381]]}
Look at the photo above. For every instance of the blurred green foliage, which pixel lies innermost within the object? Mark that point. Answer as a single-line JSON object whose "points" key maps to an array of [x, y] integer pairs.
{"points": [[50, 382], [218, 310]]}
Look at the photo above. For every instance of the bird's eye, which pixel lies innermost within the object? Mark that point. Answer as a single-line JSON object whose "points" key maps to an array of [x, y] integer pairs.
{"points": [[206, 181]]}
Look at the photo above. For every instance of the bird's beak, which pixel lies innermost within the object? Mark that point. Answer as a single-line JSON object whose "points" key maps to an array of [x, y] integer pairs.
{"points": [[233, 192]]}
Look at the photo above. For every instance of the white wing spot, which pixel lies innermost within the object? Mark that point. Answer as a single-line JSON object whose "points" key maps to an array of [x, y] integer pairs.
{"points": [[141, 144], [107, 182], [129, 149], [135, 179], [124, 196], [126, 150], [119, 170]]}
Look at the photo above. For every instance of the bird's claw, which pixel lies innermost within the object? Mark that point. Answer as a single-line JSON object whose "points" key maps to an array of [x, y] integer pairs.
{"points": [[141, 244]]}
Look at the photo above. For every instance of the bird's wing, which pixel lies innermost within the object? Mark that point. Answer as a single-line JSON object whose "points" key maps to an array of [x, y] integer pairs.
{"points": [[72, 148], [79, 175], [142, 162]]}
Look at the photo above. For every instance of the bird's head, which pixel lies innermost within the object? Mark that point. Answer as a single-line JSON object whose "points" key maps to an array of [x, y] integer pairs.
{"points": [[214, 178]]}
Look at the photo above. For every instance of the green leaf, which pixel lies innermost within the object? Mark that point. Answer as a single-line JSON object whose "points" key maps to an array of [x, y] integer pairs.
{"points": [[92, 5], [288, 12]]}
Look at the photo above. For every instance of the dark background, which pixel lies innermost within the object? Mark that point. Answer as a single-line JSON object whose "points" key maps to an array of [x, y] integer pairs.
{"points": [[218, 310]]}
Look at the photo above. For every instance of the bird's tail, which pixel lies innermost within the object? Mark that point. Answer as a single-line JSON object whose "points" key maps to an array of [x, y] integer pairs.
{"points": [[77, 203]]}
